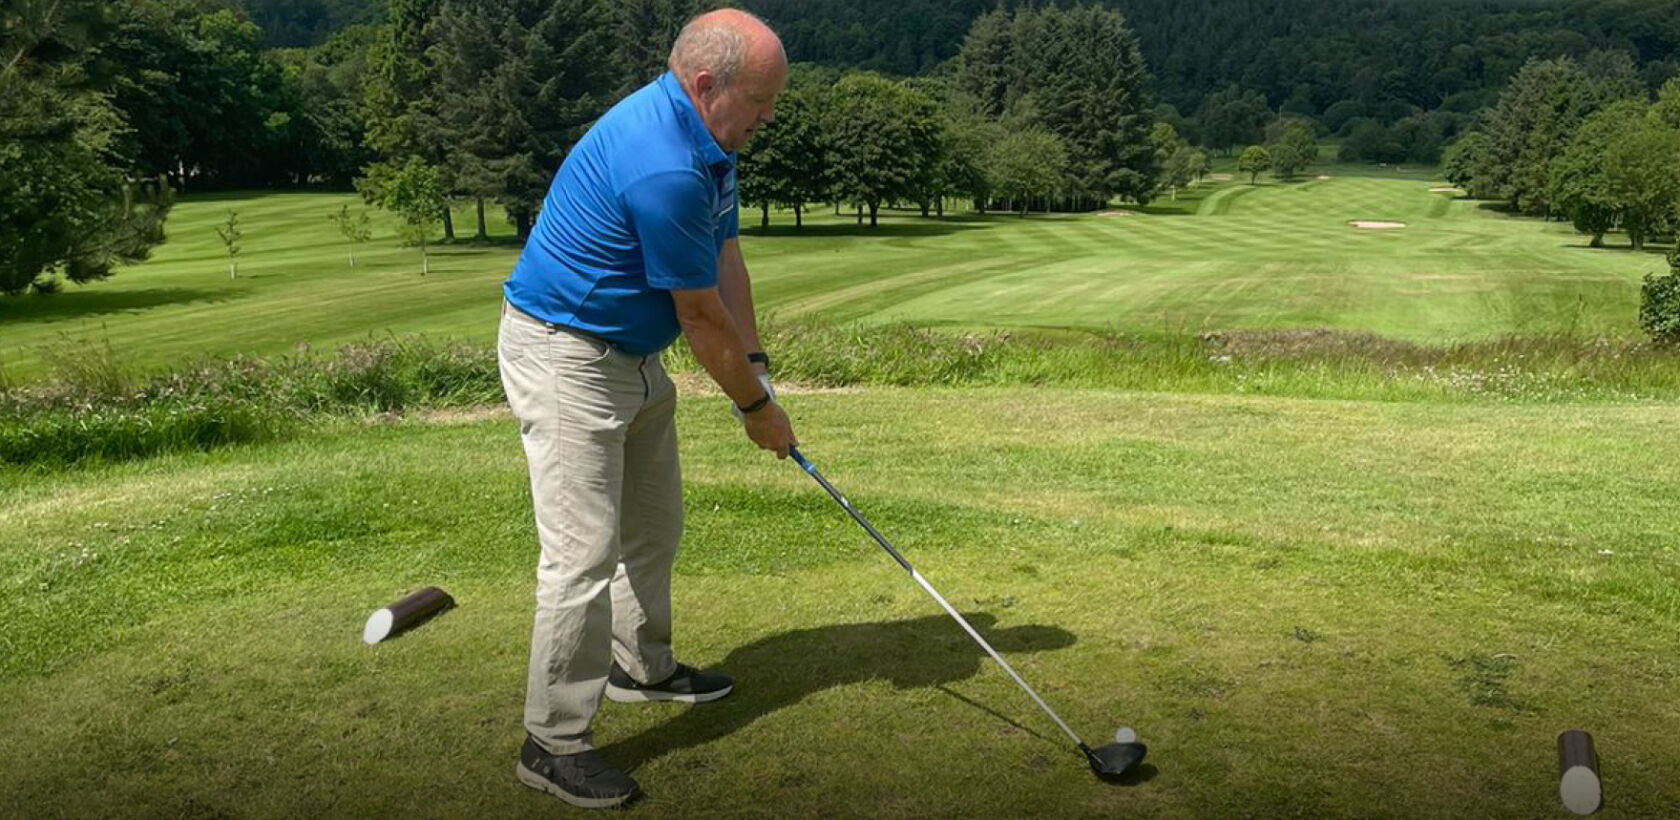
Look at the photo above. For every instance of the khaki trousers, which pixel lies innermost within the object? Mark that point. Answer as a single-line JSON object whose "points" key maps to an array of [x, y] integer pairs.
{"points": [[600, 436]]}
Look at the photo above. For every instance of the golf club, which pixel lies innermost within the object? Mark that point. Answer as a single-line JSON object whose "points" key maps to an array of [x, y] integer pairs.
{"points": [[1110, 761]]}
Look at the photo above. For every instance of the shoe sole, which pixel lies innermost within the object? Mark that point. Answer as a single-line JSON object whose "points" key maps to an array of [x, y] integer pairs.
{"points": [[621, 695], [543, 784]]}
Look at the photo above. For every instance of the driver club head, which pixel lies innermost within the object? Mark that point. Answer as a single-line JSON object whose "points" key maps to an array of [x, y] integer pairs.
{"points": [[1113, 760]]}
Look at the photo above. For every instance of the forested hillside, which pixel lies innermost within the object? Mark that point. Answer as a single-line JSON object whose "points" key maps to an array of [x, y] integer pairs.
{"points": [[1303, 55], [1382, 57]]}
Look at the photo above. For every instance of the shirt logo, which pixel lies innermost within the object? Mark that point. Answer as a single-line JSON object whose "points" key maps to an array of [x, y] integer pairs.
{"points": [[725, 199]]}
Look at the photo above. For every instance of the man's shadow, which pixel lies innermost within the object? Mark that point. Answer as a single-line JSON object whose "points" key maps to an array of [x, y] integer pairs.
{"points": [[782, 670]]}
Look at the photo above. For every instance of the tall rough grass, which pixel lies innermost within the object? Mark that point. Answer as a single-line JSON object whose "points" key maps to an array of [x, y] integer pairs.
{"points": [[1308, 364], [92, 409]]}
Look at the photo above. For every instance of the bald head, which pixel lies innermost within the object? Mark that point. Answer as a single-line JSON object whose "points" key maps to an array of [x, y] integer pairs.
{"points": [[732, 66], [726, 43]]}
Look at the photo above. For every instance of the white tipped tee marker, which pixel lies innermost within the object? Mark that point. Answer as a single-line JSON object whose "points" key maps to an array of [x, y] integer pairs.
{"points": [[405, 614], [1578, 783]]}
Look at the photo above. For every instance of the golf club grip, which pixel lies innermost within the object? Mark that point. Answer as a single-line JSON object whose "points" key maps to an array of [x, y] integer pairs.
{"points": [[811, 469]]}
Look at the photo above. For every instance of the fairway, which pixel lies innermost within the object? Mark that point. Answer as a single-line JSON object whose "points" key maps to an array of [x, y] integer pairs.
{"points": [[1273, 256]]}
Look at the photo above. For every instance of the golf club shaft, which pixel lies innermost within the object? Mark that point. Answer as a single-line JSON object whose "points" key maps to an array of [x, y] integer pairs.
{"points": [[811, 469]]}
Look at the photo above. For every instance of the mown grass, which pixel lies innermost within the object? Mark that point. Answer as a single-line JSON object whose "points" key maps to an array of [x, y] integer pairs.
{"points": [[1345, 524], [1272, 257], [1307, 608]]}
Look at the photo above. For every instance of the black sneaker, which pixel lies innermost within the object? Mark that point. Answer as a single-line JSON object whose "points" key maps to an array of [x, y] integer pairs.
{"points": [[686, 685], [582, 779]]}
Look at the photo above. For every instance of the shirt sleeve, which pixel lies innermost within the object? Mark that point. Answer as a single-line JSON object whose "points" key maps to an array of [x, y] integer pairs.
{"points": [[672, 216]]}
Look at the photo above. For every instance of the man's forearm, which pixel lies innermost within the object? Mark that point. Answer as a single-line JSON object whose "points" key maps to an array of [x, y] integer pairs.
{"points": [[735, 287], [714, 337]]}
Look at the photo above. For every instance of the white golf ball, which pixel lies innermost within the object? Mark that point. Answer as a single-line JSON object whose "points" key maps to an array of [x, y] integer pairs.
{"points": [[1124, 734]]}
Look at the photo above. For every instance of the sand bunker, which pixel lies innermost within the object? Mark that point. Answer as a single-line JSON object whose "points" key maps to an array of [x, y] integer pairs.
{"points": [[1323, 176], [1446, 190], [1376, 225], [1118, 213], [1220, 177]]}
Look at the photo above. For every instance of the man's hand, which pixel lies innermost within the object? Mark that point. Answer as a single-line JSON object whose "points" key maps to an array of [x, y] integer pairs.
{"points": [[717, 344], [770, 429]]}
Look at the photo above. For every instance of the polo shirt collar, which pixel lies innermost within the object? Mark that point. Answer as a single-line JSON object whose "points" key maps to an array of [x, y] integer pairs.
{"points": [[707, 147]]}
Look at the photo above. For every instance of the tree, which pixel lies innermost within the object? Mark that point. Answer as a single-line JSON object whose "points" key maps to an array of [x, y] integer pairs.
{"points": [[230, 233], [1028, 164], [1232, 116], [1667, 108], [986, 61], [787, 162], [203, 103], [880, 134], [1253, 161], [1464, 160], [645, 30], [1077, 72], [1532, 123], [412, 192], [357, 229], [401, 95], [1370, 141], [1093, 92], [1183, 167], [518, 82], [1293, 146], [1611, 76], [1164, 139], [1642, 167], [1580, 187], [969, 138], [325, 136], [66, 204]]}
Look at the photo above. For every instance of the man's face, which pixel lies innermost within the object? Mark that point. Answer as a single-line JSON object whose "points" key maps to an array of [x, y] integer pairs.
{"points": [[734, 114]]}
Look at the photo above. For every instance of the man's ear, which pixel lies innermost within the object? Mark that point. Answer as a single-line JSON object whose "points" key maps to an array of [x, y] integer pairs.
{"points": [[705, 82]]}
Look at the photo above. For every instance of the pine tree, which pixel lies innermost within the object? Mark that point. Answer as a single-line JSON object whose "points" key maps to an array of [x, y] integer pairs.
{"points": [[645, 30], [983, 65], [65, 202], [518, 83], [1078, 73], [1531, 124]]}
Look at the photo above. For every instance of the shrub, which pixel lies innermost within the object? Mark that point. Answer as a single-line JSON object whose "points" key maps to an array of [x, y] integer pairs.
{"points": [[1659, 303]]}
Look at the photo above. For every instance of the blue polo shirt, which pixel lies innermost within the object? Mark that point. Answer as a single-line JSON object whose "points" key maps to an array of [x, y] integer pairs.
{"points": [[641, 207]]}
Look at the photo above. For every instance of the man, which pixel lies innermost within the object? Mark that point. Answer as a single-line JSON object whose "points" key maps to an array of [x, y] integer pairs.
{"points": [[636, 242]]}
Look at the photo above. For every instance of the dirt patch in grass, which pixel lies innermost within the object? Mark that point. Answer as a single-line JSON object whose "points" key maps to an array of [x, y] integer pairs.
{"points": [[699, 384], [1376, 225], [463, 415]]}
